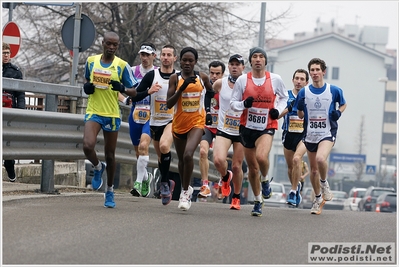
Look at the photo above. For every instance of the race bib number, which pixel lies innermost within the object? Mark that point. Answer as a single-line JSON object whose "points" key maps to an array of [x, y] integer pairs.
{"points": [[318, 121], [257, 118], [141, 114], [191, 101], [161, 109], [295, 125], [101, 78], [232, 122]]}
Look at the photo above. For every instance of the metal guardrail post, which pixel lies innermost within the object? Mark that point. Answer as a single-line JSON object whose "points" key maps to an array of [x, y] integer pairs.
{"points": [[47, 178]]}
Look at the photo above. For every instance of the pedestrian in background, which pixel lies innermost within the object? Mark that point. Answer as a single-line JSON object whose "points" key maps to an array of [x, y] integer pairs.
{"points": [[11, 99], [106, 76]]}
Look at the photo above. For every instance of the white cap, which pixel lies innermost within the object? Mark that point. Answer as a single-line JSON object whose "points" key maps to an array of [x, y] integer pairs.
{"points": [[147, 49]]}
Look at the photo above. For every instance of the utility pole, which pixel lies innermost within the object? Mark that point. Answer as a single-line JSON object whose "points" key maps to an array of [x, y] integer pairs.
{"points": [[261, 42]]}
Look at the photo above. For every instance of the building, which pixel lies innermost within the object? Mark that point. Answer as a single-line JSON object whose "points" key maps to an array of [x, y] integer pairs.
{"points": [[358, 62]]}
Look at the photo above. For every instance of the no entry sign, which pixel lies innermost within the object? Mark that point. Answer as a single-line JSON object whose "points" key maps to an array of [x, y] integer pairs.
{"points": [[12, 36]]}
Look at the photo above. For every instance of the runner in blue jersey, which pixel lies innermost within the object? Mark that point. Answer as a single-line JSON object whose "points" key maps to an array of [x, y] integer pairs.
{"points": [[321, 105], [294, 148]]}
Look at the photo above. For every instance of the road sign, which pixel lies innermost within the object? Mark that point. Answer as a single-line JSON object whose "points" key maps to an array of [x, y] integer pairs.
{"points": [[371, 169], [12, 36], [87, 32]]}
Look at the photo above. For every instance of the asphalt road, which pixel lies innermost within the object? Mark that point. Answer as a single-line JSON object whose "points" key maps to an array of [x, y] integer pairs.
{"points": [[77, 229]]}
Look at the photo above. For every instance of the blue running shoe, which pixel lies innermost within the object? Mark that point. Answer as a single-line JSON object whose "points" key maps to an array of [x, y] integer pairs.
{"points": [[167, 192], [291, 199], [266, 189], [298, 194], [97, 180], [109, 199], [257, 210]]}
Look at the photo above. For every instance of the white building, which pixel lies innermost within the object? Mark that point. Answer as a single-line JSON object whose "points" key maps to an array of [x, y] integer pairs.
{"points": [[357, 61]]}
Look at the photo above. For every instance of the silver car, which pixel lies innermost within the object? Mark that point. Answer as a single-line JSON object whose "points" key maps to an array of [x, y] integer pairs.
{"points": [[278, 198], [355, 195]]}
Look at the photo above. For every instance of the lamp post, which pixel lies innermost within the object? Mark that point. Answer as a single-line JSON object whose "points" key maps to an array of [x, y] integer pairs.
{"points": [[385, 81]]}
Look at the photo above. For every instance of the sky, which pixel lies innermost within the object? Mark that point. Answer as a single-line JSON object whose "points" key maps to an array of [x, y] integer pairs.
{"points": [[305, 13]]}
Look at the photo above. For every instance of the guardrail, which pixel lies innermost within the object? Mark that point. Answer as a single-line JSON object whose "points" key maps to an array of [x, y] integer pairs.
{"points": [[47, 135]]}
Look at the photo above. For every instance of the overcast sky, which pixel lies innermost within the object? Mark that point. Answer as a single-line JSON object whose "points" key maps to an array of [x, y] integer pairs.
{"points": [[305, 13]]}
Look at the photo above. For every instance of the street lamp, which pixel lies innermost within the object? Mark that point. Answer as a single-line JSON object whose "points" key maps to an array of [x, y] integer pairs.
{"points": [[385, 81]]}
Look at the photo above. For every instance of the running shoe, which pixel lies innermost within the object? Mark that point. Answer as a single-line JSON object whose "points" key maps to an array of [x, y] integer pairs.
{"points": [[11, 175], [167, 192], [291, 199], [205, 192], [317, 206], [97, 180], [219, 193], [235, 204], [146, 188], [226, 188], [325, 191], [137, 189], [298, 194], [266, 189], [257, 210], [185, 199], [109, 199]]}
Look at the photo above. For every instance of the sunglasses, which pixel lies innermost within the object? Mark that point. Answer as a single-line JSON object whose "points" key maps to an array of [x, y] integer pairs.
{"points": [[147, 47]]}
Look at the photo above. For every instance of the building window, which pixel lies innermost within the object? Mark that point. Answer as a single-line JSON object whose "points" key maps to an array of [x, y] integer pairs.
{"points": [[390, 117], [335, 73], [390, 96]]}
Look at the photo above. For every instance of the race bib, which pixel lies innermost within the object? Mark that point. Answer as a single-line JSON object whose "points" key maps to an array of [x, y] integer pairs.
{"points": [[257, 118], [295, 125], [141, 114], [101, 78], [161, 109], [232, 122], [191, 101]]}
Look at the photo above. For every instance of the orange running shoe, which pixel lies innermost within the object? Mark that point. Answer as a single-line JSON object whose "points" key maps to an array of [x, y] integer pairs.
{"points": [[226, 188], [235, 204], [205, 192]]}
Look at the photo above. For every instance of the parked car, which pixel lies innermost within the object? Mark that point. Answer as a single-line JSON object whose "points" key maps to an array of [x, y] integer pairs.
{"points": [[386, 202], [367, 203], [355, 195], [278, 198], [337, 202], [307, 198]]}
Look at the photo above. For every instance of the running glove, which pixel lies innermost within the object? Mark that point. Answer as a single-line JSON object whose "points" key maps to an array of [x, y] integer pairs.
{"points": [[274, 113], [248, 102], [88, 88], [117, 86], [187, 81]]}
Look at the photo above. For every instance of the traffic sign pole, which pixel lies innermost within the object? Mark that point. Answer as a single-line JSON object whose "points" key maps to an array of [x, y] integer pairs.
{"points": [[76, 43]]}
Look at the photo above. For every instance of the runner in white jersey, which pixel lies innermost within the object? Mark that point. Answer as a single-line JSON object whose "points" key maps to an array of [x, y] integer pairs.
{"points": [[317, 104], [216, 71], [154, 86], [227, 134]]}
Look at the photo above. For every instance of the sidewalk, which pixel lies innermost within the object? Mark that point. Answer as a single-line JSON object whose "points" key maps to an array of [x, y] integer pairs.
{"points": [[16, 190]]}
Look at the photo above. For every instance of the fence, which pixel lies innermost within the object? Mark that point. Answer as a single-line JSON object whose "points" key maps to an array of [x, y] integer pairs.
{"points": [[47, 135]]}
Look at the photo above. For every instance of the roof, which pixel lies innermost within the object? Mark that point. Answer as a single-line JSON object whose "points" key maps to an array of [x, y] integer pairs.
{"points": [[388, 58]]}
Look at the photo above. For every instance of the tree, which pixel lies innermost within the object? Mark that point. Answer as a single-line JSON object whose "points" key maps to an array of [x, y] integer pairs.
{"points": [[211, 28], [360, 144]]}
